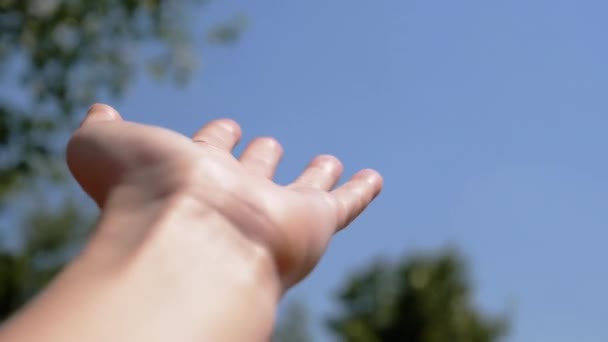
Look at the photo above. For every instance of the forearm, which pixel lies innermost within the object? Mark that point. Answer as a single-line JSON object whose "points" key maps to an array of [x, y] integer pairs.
{"points": [[191, 279]]}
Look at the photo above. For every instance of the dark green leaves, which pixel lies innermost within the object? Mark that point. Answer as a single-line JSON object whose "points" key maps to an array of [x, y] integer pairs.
{"points": [[425, 298]]}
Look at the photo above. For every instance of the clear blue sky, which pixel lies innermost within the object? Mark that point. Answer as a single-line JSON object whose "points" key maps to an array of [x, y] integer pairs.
{"points": [[488, 120]]}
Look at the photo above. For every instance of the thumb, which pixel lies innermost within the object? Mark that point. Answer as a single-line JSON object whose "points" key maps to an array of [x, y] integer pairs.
{"points": [[88, 153], [100, 112]]}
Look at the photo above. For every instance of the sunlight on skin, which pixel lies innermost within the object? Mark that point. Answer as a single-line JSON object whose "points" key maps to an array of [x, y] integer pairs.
{"points": [[188, 227]]}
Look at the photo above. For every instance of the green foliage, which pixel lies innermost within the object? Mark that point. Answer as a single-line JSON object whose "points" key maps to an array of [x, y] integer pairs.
{"points": [[425, 298], [229, 31]]}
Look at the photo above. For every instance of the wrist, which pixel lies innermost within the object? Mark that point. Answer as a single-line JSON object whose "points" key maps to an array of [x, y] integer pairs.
{"points": [[210, 277]]}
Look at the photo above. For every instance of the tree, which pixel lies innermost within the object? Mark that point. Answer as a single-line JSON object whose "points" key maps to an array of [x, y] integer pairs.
{"points": [[425, 298], [56, 57]]}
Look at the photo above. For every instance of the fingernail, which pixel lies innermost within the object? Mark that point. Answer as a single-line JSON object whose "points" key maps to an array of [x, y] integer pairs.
{"points": [[99, 112]]}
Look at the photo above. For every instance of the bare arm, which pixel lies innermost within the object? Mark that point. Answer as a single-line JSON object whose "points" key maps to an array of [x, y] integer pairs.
{"points": [[192, 243]]}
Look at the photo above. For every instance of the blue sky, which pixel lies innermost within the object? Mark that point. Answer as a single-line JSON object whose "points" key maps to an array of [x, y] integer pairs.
{"points": [[487, 119]]}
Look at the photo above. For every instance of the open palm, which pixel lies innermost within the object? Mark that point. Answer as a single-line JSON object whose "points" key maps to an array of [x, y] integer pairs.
{"points": [[108, 155]]}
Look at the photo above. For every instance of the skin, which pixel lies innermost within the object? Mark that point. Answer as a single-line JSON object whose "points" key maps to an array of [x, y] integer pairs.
{"points": [[192, 244]]}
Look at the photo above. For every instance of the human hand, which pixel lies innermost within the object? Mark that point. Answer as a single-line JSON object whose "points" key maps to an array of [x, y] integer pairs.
{"points": [[134, 167]]}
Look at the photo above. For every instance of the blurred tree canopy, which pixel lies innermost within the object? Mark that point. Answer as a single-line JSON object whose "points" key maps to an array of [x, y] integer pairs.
{"points": [[56, 57], [424, 298]]}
